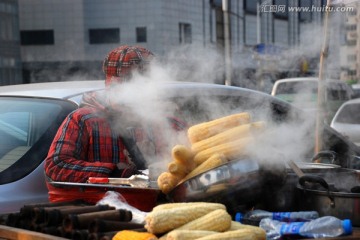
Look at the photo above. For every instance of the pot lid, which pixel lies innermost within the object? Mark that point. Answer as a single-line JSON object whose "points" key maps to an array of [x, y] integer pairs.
{"points": [[306, 165]]}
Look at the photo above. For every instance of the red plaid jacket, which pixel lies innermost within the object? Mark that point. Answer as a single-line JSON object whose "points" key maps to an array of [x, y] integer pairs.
{"points": [[85, 146]]}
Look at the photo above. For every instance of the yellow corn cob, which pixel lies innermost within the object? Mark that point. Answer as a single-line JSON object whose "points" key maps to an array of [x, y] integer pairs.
{"points": [[178, 169], [167, 206], [230, 150], [229, 135], [204, 130], [214, 161], [162, 221], [217, 220], [184, 155], [188, 234], [181, 153], [133, 235], [258, 231], [167, 181], [242, 234]]}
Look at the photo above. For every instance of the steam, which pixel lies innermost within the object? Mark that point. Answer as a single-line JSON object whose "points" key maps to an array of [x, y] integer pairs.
{"points": [[145, 96], [147, 103], [194, 63]]}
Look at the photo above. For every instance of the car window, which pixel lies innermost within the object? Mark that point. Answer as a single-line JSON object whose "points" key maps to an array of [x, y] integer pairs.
{"points": [[15, 125], [296, 87], [332, 94], [349, 114], [356, 92], [24, 122]]}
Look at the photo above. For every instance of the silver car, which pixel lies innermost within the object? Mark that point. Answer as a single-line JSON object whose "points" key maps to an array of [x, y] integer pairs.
{"points": [[347, 120], [30, 115]]}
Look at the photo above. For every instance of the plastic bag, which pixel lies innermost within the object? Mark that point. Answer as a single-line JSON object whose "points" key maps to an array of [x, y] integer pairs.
{"points": [[116, 200]]}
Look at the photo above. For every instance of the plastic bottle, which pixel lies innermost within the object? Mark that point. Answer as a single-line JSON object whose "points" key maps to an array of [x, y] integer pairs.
{"points": [[322, 227], [257, 215]]}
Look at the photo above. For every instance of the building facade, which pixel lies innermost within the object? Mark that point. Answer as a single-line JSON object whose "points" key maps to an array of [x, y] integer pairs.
{"points": [[67, 39], [10, 59], [350, 54]]}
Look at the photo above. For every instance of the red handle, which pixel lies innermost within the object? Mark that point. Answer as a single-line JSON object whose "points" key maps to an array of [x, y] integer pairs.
{"points": [[98, 180]]}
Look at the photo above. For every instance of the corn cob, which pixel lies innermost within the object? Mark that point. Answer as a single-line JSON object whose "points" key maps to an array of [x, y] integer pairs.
{"points": [[217, 220], [230, 135], [242, 234], [184, 155], [167, 181], [133, 235], [257, 231], [162, 221], [167, 206], [178, 169], [204, 130], [230, 150], [214, 161], [188, 234]]}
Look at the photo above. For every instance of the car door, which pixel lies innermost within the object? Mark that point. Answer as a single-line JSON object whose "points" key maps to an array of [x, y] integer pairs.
{"points": [[27, 127]]}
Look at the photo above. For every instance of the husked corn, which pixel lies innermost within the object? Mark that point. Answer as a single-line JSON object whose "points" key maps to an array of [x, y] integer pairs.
{"points": [[184, 155], [188, 234], [218, 220], [162, 221], [181, 153], [258, 231], [229, 135], [178, 169], [167, 181], [165, 206], [204, 130], [215, 160], [231, 150], [242, 234], [133, 235]]}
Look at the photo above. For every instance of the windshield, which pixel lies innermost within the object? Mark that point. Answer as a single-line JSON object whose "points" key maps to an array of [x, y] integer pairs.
{"points": [[349, 114], [297, 87], [24, 122]]}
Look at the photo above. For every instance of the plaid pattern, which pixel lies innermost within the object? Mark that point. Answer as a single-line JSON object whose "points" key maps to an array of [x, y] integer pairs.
{"points": [[83, 147], [121, 61]]}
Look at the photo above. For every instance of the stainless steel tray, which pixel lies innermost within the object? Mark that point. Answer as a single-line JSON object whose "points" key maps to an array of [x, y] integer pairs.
{"points": [[239, 179], [98, 185]]}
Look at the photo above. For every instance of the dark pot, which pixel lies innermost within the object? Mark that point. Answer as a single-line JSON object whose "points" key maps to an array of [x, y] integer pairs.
{"points": [[331, 196], [283, 197]]}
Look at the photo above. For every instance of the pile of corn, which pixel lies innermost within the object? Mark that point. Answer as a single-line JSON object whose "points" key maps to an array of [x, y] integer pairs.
{"points": [[198, 220], [192, 221], [212, 144]]}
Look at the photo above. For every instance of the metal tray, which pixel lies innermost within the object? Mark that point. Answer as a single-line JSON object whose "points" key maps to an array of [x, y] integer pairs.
{"points": [[152, 186], [239, 180]]}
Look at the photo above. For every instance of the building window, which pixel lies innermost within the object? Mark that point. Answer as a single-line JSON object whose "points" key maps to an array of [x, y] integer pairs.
{"points": [[37, 37], [351, 58], [250, 6], [353, 12], [281, 10], [184, 33], [104, 35], [141, 34], [351, 27], [305, 16], [351, 42], [351, 73]]}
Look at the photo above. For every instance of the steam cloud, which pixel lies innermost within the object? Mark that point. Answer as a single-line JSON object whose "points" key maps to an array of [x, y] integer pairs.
{"points": [[144, 95]]}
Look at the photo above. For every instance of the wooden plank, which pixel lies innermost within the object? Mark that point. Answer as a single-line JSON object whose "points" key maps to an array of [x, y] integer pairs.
{"points": [[12, 233]]}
